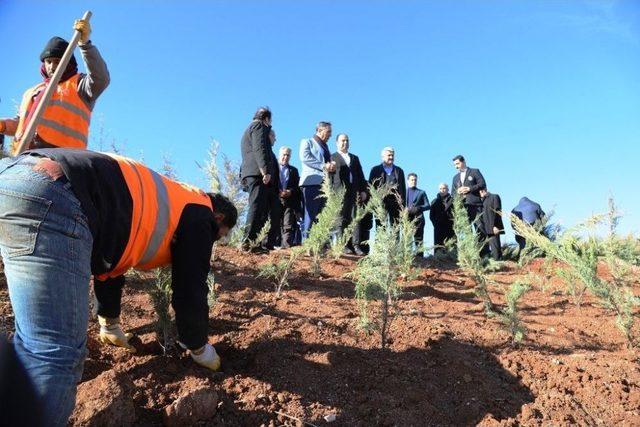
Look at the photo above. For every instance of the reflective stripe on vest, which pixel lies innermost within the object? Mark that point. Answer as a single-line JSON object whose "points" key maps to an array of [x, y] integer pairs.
{"points": [[65, 121], [158, 203]]}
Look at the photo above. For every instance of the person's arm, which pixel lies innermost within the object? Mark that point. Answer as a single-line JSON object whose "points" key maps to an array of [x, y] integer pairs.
{"points": [[191, 254], [358, 175], [260, 146], [373, 176], [307, 158], [9, 126], [422, 204], [479, 182], [497, 223], [402, 187], [92, 84]]}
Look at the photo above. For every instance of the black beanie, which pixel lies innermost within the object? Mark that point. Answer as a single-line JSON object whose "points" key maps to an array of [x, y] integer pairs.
{"points": [[54, 49]]}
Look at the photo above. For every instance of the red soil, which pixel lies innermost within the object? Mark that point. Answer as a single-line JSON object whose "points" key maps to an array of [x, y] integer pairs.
{"points": [[302, 358]]}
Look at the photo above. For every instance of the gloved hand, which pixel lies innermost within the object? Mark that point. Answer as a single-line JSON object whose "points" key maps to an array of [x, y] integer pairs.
{"points": [[111, 333], [206, 356], [85, 29]]}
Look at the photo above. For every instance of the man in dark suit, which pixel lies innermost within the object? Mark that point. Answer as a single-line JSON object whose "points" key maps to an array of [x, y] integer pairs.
{"points": [[290, 198], [256, 170], [467, 183], [491, 223], [274, 208], [441, 216], [388, 173], [349, 175], [417, 203]]}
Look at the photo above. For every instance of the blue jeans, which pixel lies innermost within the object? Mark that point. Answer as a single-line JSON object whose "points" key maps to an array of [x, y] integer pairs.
{"points": [[45, 244]]}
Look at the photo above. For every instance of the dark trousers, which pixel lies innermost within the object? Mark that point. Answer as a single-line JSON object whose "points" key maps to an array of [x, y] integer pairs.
{"points": [[418, 236], [274, 208], [441, 232], [312, 207], [346, 217], [473, 213], [257, 212], [365, 226], [392, 209], [492, 246], [108, 294], [288, 224], [521, 241]]}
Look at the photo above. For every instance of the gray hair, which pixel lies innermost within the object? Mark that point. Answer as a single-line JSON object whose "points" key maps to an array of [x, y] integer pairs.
{"points": [[443, 183], [285, 149], [389, 149], [323, 125]]}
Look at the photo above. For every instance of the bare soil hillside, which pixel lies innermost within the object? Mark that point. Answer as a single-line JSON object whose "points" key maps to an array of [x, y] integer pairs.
{"points": [[301, 359]]}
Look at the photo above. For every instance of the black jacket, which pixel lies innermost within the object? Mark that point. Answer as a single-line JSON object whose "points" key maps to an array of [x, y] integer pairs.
{"points": [[295, 200], [255, 148], [419, 205], [491, 214], [341, 176], [475, 181], [441, 212], [378, 177]]}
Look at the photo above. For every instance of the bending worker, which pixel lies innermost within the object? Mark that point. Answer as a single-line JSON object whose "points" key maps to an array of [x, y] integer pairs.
{"points": [[66, 214], [65, 121]]}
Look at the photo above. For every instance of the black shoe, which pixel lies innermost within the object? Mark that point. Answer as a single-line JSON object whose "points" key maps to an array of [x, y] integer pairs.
{"points": [[358, 251], [347, 251]]}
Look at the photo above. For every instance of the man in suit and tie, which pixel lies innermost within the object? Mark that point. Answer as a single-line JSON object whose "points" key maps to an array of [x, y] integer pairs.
{"points": [[316, 160], [467, 183], [491, 223], [441, 216], [256, 171], [349, 174], [387, 173], [290, 198], [417, 203]]}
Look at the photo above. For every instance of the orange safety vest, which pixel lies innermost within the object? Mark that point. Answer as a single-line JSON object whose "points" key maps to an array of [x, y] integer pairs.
{"points": [[158, 203], [65, 121]]}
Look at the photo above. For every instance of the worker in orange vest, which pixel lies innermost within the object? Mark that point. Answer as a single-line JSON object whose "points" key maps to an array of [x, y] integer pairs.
{"points": [[65, 121], [66, 214]]}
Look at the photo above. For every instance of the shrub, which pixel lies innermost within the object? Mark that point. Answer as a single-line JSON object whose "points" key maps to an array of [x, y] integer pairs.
{"points": [[377, 275], [406, 229], [468, 246], [320, 233], [262, 235], [342, 240], [581, 260], [160, 293], [231, 186], [280, 271], [509, 315]]}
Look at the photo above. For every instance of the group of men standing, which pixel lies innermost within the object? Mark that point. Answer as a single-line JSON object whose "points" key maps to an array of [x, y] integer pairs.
{"points": [[280, 193]]}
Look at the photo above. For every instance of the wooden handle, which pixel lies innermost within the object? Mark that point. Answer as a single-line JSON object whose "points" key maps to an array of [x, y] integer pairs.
{"points": [[48, 92]]}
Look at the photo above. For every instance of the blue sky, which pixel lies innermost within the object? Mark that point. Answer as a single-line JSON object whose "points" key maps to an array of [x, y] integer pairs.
{"points": [[542, 96]]}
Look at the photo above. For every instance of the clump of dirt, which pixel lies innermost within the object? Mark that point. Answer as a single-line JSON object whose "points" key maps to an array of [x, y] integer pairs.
{"points": [[302, 358]]}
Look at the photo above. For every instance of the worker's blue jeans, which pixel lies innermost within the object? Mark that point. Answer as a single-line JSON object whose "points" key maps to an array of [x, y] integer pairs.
{"points": [[45, 244]]}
